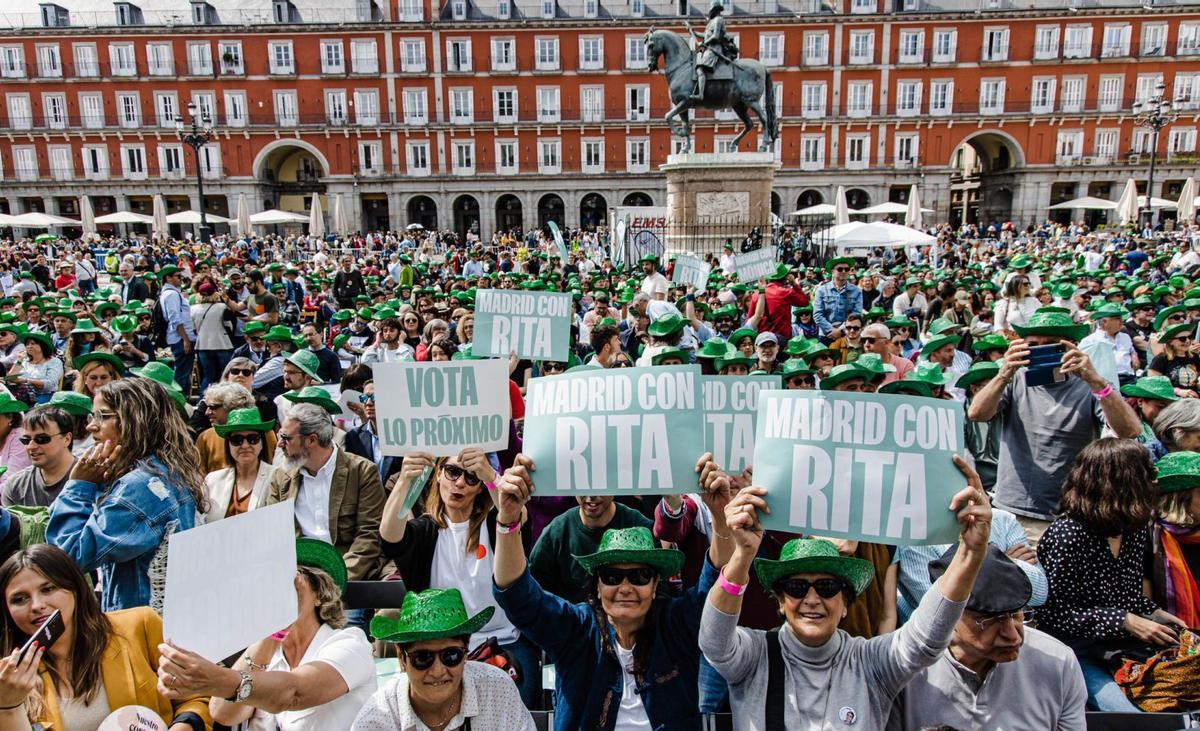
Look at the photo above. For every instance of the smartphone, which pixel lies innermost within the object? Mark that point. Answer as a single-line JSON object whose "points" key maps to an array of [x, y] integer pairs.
{"points": [[1046, 355], [47, 634], [1045, 365]]}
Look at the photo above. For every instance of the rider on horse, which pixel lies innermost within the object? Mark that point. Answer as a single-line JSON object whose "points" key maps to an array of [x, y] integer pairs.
{"points": [[715, 47]]}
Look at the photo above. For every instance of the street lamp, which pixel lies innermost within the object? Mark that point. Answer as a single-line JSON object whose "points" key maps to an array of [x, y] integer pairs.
{"points": [[201, 134], [1153, 114]]}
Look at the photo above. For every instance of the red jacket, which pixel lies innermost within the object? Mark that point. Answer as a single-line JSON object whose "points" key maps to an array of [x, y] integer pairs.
{"points": [[780, 301]]}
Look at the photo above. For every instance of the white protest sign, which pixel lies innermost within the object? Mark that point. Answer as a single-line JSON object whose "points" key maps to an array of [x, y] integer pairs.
{"points": [[730, 413], [443, 407], [690, 270], [754, 265], [535, 325], [230, 583]]}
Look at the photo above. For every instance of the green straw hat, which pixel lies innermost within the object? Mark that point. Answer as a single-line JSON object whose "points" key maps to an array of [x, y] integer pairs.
{"points": [[75, 404], [9, 404], [117, 364], [279, 334], [814, 556], [1157, 388], [307, 361], [981, 371], [1178, 471], [1054, 324], [929, 373], [910, 388], [844, 372], [632, 545], [432, 614], [317, 554], [938, 342], [314, 395], [248, 419]]}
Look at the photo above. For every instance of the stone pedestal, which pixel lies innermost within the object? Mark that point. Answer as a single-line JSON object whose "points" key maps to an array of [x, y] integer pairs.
{"points": [[715, 197]]}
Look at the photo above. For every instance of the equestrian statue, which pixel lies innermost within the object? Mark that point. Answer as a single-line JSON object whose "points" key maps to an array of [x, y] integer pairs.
{"points": [[715, 79]]}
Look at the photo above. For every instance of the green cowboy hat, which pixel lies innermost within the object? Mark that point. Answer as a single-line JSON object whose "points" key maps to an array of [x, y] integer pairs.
{"points": [[1055, 324], [9, 404], [307, 361], [666, 325], [781, 272], [1108, 310], [742, 332], [725, 311], [896, 322], [816, 350], [995, 341], [981, 371], [795, 367], [829, 265], [1178, 471], [432, 614], [1173, 331], [41, 339], [1156, 388], [649, 257], [162, 374], [715, 348], [105, 307], [814, 556], [1166, 312], [314, 395], [342, 316], [466, 353], [875, 313], [248, 419], [632, 545], [1020, 261], [873, 363], [255, 327], [942, 325], [1052, 309], [670, 353], [929, 373], [279, 334], [906, 387], [796, 346], [844, 372], [168, 270], [939, 342], [82, 360], [124, 324], [317, 554], [340, 340], [735, 358], [75, 404]]}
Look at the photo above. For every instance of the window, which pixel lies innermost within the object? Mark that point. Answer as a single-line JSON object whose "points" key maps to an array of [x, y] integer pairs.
{"points": [[332, 61], [945, 46], [235, 109], [128, 14], [1045, 42], [1077, 41], [413, 58], [816, 49], [1042, 100], [591, 8], [20, 113], [160, 59], [199, 59], [210, 161], [862, 47], [591, 104], [812, 99], [995, 44], [370, 158], [858, 152], [506, 157], [462, 108], [906, 150], [54, 110], [121, 59], [549, 157], [547, 9], [86, 62], [12, 62], [591, 53], [1069, 147], [1111, 88], [458, 9], [770, 49], [170, 161], [637, 103], [941, 98], [547, 104], [1116, 40], [858, 99], [286, 113], [1181, 141], [281, 57], [25, 163], [862, 6], [206, 105], [95, 162], [635, 53], [1154, 39], [504, 9], [133, 161], [283, 11], [636, 8], [912, 46], [637, 158], [91, 110], [364, 59], [908, 98], [504, 102], [231, 57], [1072, 93], [416, 106], [464, 158], [1186, 94], [724, 145], [1147, 87], [366, 107], [335, 106], [593, 156], [166, 107], [417, 158], [812, 152], [50, 62], [458, 54], [991, 96], [1142, 141], [503, 56], [547, 54], [129, 110], [1106, 145], [412, 11]]}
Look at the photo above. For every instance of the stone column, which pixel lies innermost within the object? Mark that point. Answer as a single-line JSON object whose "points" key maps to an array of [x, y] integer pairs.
{"points": [[714, 196]]}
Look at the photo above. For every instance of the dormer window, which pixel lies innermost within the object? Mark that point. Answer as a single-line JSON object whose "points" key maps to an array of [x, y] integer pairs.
{"points": [[54, 16], [366, 11], [637, 8], [458, 9], [504, 9], [202, 13], [284, 11], [128, 14], [591, 8], [547, 8]]}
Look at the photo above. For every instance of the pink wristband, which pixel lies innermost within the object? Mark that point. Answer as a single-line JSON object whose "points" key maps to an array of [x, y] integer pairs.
{"points": [[728, 586], [490, 485], [505, 528], [1103, 393]]}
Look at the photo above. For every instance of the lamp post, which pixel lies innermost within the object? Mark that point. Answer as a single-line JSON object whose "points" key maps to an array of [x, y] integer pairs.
{"points": [[200, 135], [1153, 114]]}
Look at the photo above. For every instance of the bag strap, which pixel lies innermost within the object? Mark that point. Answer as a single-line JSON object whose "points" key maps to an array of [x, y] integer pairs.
{"points": [[776, 700]]}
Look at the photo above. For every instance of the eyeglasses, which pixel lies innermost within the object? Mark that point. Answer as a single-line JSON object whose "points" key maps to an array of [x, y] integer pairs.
{"points": [[994, 620], [1182, 339], [237, 440], [622, 364], [284, 438], [638, 576], [454, 472], [798, 588], [101, 416], [802, 381], [255, 339], [853, 328], [241, 371], [39, 439], [1176, 317], [213, 407], [841, 269], [552, 368], [451, 657]]}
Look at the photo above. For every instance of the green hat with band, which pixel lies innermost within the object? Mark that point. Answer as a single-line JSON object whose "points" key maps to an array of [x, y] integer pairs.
{"points": [[981, 371], [1157, 388], [1178, 471], [1053, 324], [682, 355], [319, 554], [872, 363], [75, 404], [632, 545], [306, 361], [1175, 331], [124, 324], [1166, 312], [432, 614], [117, 364], [314, 395], [814, 556], [248, 419]]}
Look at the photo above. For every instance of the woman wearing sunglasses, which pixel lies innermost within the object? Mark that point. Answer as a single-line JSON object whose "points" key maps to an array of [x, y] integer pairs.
{"points": [[1178, 361], [247, 484]]}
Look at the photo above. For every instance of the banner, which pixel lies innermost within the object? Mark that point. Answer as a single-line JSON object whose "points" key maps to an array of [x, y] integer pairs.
{"points": [[558, 240], [754, 265], [537, 325], [443, 407], [874, 467], [616, 432], [730, 412], [690, 270]]}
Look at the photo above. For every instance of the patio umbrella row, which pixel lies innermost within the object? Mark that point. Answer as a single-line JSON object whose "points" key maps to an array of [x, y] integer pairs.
{"points": [[1130, 203]]}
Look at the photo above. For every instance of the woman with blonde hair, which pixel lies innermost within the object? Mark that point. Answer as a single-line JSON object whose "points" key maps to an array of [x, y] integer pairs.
{"points": [[96, 370]]}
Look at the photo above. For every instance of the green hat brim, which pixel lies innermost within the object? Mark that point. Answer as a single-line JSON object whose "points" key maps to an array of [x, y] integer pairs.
{"points": [[855, 571], [11, 405], [310, 373], [830, 381], [1133, 390], [912, 388], [829, 265], [321, 555], [1070, 332], [224, 430], [384, 628], [328, 404], [976, 375], [1174, 331], [112, 360], [939, 342], [667, 561], [665, 326]]}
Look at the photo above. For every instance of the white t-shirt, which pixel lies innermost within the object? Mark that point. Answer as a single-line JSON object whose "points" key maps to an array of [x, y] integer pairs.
{"points": [[655, 285], [349, 653], [471, 574], [632, 714]]}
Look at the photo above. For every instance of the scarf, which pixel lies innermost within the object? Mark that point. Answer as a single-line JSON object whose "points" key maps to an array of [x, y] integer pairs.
{"points": [[1181, 591]]}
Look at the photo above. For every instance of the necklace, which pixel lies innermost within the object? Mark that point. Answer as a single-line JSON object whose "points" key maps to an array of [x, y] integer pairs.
{"points": [[453, 709]]}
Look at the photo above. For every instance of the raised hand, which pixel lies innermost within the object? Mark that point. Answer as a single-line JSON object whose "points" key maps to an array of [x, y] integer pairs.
{"points": [[96, 465], [514, 490], [742, 518], [973, 508]]}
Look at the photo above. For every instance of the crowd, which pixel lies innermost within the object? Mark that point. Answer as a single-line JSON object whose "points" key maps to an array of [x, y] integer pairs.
{"points": [[150, 387]]}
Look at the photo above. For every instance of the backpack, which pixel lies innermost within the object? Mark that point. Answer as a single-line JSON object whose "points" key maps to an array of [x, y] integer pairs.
{"points": [[158, 323]]}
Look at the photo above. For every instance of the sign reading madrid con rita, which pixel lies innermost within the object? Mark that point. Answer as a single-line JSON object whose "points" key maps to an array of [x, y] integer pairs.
{"points": [[534, 325], [442, 408]]}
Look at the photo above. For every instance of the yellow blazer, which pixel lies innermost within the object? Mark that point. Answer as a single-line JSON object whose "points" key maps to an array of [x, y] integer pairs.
{"points": [[130, 671]]}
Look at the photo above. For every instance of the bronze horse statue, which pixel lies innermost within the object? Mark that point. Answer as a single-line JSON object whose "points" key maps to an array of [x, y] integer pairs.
{"points": [[750, 83]]}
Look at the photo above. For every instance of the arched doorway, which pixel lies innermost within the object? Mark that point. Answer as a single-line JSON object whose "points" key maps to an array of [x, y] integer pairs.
{"points": [[508, 213], [637, 199], [809, 198], [292, 173], [551, 208], [857, 198], [422, 210], [984, 176], [593, 212], [466, 216], [776, 204]]}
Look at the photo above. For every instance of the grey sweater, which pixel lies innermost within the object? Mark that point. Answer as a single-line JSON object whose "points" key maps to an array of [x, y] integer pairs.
{"points": [[849, 682]]}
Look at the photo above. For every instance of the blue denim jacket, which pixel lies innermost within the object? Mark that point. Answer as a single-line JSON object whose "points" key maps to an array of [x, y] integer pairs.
{"points": [[588, 682], [121, 530], [830, 306]]}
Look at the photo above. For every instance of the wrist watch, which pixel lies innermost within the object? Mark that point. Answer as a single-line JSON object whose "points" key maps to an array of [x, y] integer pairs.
{"points": [[244, 688]]}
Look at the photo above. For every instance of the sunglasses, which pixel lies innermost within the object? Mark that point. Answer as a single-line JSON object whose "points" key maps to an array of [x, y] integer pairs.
{"points": [[1176, 316], [802, 381], [841, 269], [238, 440], [454, 472], [639, 576], [451, 657], [241, 371], [798, 588], [622, 364], [366, 398], [552, 368], [1182, 339], [38, 439], [853, 328], [868, 340]]}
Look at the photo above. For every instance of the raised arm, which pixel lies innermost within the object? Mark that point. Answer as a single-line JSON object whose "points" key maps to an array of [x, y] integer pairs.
{"points": [[1117, 412], [393, 522], [987, 401], [514, 490]]}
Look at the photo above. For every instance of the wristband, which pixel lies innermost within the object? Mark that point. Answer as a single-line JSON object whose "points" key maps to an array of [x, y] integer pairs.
{"points": [[506, 528], [728, 586], [1103, 393], [491, 486]]}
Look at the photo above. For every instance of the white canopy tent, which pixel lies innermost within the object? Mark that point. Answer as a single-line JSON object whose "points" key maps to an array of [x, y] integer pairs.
{"points": [[1156, 202], [862, 236], [841, 214], [243, 217], [887, 209], [821, 209], [1127, 204], [87, 217], [7, 220], [316, 219], [1186, 207], [274, 216], [193, 218], [124, 217]]}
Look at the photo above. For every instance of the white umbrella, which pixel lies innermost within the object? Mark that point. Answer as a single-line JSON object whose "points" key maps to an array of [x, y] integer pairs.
{"points": [[821, 209], [273, 216], [193, 218], [1087, 202], [316, 219], [87, 218], [124, 217], [912, 216], [841, 214], [243, 217], [1127, 204], [41, 220], [1156, 202], [341, 224], [1186, 209], [7, 220], [159, 227], [414, 227]]}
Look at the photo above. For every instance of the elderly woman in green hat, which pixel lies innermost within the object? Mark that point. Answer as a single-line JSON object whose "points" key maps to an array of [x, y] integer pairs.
{"points": [[1176, 536], [1178, 360], [1149, 396], [628, 656], [313, 675], [856, 679]]}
